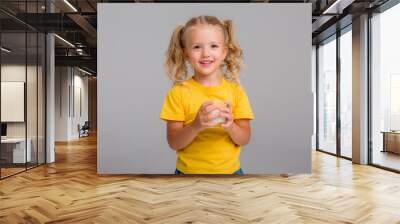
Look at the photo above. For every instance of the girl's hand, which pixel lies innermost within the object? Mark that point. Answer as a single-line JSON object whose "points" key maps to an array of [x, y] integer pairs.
{"points": [[204, 118], [226, 113]]}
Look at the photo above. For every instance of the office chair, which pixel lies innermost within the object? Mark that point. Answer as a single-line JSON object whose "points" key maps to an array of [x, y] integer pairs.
{"points": [[84, 130]]}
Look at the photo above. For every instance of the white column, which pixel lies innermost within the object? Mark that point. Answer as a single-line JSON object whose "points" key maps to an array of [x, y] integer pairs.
{"points": [[360, 90], [50, 92], [50, 100]]}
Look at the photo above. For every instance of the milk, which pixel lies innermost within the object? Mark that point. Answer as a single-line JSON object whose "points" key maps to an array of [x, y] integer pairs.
{"points": [[217, 111]]}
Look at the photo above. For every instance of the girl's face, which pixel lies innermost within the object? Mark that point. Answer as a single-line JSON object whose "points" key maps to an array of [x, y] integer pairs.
{"points": [[205, 49]]}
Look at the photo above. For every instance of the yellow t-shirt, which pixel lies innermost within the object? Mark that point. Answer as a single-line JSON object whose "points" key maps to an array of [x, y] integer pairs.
{"points": [[212, 151]]}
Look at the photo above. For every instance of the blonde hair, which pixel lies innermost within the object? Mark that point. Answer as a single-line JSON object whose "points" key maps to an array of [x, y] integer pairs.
{"points": [[175, 59]]}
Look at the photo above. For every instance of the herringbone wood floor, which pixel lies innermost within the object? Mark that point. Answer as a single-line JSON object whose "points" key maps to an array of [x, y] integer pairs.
{"points": [[70, 191]]}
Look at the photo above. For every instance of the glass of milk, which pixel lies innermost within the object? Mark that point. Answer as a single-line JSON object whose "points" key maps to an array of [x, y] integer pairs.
{"points": [[217, 111]]}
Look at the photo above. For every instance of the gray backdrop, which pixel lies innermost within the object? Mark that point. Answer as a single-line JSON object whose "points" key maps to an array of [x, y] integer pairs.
{"points": [[132, 40]]}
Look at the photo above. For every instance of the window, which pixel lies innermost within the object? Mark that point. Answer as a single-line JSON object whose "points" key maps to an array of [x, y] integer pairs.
{"points": [[346, 93], [327, 96], [385, 88]]}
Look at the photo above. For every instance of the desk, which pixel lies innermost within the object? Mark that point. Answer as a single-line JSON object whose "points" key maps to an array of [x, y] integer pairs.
{"points": [[391, 141], [15, 148]]}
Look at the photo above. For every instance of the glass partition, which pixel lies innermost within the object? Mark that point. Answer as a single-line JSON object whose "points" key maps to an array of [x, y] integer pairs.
{"points": [[41, 87], [22, 63], [13, 109], [32, 95]]}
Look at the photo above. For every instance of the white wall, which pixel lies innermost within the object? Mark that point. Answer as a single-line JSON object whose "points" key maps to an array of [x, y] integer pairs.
{"points": [[33, 127], [62, 80], [67, 116], [132, 84], [80, 83], [12, 73]]}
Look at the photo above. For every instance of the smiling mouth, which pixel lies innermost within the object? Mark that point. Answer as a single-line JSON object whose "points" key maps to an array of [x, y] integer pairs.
{"points": [[206, 63]]}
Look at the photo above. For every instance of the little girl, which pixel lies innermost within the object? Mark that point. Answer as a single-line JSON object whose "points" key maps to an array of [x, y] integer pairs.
{"points": [[208, 113]]}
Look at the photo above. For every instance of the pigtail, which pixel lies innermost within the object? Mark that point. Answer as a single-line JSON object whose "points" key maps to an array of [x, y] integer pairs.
{"points": [[234, 58], [175, 59]]}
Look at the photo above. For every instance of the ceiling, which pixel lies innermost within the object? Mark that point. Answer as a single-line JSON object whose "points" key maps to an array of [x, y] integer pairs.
{"points": [[77, 22]]}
